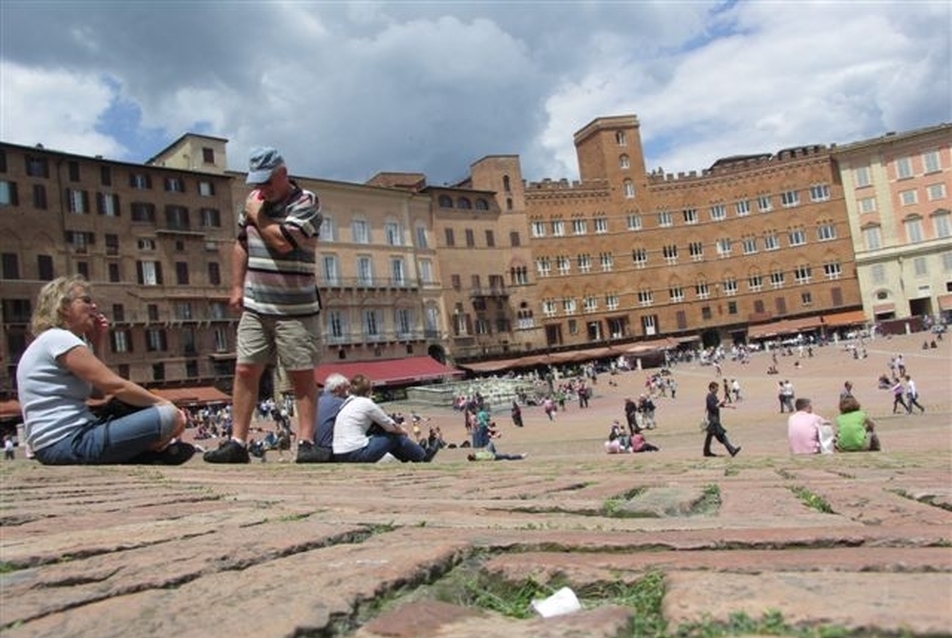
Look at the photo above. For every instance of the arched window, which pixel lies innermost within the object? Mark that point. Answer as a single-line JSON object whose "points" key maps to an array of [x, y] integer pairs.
{"points": [[629, 189], [446, 201], [624, 162], [463, 202], [482, 204], [505, 183], [620, 138]]}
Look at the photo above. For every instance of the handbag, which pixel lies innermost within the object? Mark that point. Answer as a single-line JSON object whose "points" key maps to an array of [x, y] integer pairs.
{"points": [[705, 423]]}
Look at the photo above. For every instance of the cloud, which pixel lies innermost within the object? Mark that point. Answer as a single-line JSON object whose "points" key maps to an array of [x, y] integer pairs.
{"points": [[350, 89]]}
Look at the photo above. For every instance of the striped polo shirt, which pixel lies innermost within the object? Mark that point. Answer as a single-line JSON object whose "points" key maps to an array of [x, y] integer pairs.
{"points": [[284, 284]]}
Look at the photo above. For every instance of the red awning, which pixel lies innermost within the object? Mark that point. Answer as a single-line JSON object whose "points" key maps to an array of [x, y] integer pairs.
{"points": [[200, 395], [783, 327], [850, 318], [10, 409], [390, 371]]}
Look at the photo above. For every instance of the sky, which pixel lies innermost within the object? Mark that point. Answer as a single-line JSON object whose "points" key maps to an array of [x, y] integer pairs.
{"points": [[349, 89]]}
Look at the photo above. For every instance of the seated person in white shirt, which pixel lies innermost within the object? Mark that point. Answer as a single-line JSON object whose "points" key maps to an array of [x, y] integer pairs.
{"points": [[364, 433]]}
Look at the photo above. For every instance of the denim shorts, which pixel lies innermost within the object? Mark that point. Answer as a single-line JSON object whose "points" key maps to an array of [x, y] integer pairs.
{"points": [[112, 440], [294, 342]]}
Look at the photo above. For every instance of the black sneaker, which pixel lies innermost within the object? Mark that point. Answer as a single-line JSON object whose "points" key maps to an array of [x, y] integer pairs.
{"points": [[307, 452], [175, 453], [430, 453], [229, 451]]}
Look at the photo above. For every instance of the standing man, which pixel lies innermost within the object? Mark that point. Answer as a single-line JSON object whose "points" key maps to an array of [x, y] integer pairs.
{"points": [[715, 430], [274, 287]]}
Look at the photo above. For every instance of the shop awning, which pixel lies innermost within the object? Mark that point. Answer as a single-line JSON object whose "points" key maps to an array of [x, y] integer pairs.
{"points": [[10, 409], [783, 327], [883, 308], [196, 395], [651, 346], [850, 318], [390, 371]]}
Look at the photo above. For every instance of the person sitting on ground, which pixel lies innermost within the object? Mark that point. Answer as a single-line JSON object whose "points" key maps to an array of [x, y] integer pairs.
{"points": [[638, 444], [336, 391], [490, 453], [804, 428], [854, 430], [618, 441], [355, 441], [59, 372]]}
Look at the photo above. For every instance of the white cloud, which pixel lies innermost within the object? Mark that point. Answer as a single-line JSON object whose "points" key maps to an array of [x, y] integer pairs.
{"points": [[55, 108]]}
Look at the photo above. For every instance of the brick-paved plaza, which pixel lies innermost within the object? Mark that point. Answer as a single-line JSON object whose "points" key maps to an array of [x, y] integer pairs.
{"points": [[277, 549]]}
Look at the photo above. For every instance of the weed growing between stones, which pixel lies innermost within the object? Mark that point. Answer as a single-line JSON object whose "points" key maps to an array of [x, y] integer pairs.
{"points": [[611, 505], [771, 623], [812, 500]]}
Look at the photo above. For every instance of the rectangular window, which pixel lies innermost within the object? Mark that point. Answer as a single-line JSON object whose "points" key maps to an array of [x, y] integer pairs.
{"points": [[579, 226], [645, 298], [750, 245], [112, 244], [919, 267], [330, 273], [425, 267], [718, 212], [177, 218], [365, 271], [140, 181], [558, 228], [819, 193], [584, 263], [450, 237], [108, 204], [670, 254], [634, 221], [11, 266], [44, 265], [206, 189], [214, 273], [802, 274], [155, 340], [903, 168], [789, 199], [421, 239], [764, 204], [935, 191], [105, 175], [569, 306], [37, 166], [742, 208], [862, 177], [563, 264], [115, 275], [665, 219], [607, 261], [831, 270], [359, 231], [544, 266], [724, 247], [676, 294], [149, 273], [702, 290], [403, 318], [942, 226], [398, 271], [777, 278], [872, 237], [373, 323], [393, 233], [538, 228], [82, 268], [39, 196], [121, 341], [490, 238], [931, 162], [611, 302], [696, 250], [210, 217], [797, 237], [455, 282], [867, 205], [174, 185], [143, 212], [771, 242], [913, 229], [908, 197], [548, 308], [755, 283], [72, 168], [8, 194], [640, 257], [730, 287], [590, 304], [470, 238], [601, 225], [690, 215], [826, 232], [181, 273], [77, 201], [806, 298], [514, 239]]}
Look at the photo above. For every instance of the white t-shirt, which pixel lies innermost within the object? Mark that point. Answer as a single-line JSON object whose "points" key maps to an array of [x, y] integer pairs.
{"points": [[52, 398], [356, 416]]}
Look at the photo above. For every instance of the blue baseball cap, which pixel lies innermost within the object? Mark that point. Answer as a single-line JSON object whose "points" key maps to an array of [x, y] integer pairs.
{"points": [[262, 163]]}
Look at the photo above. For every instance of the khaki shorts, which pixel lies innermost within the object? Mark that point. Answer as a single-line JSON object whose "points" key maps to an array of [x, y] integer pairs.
{"points": [[294, 342]]}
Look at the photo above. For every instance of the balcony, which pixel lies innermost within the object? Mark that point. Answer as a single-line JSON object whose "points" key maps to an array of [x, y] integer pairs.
{"points": [[370, 283], [383, 336]]}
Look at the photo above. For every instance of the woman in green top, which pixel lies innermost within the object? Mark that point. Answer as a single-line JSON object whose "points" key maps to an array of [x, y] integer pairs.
{"points": [[854, 430]]}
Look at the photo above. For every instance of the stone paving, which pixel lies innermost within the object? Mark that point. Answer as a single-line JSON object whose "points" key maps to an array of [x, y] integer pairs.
{"points": [[276, 549]]}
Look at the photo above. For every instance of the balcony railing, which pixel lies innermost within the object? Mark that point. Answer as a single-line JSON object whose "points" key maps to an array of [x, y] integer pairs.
{"points": [[489, 291], [404, 283], [384, 336]]}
